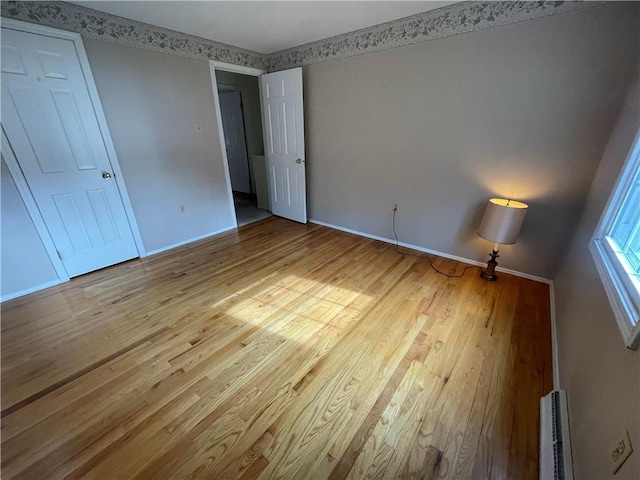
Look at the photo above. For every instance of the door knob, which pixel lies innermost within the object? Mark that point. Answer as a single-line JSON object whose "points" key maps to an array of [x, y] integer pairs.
{"points": [[298, 161], [106, 175]]}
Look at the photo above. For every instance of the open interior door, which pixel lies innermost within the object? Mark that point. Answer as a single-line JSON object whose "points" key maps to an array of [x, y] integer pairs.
{"points": [[283, 124]]}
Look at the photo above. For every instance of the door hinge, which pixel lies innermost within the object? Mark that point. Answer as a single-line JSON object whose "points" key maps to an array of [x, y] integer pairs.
{"points": [[59, 254]]}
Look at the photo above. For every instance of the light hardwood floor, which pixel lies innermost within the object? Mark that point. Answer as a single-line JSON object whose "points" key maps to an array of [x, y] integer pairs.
{"points": [[276, 351]]}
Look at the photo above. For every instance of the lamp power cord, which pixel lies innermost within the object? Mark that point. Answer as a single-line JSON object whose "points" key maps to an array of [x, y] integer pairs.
{"points": [[395, 234]]}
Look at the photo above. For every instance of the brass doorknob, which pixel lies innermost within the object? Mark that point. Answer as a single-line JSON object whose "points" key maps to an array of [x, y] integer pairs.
{"points": [[106, 175]]}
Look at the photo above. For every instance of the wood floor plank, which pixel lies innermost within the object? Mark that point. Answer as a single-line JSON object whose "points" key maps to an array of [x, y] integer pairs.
{"points": [[277, 350], [61, 383]]}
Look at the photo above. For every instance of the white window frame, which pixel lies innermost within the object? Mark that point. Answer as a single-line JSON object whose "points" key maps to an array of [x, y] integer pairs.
{"points": [[621, 289]]}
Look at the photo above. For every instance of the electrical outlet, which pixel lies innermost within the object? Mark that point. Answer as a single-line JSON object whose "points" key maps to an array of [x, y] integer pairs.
{"points": [[182, 208], [620, 452], [395, 207]]}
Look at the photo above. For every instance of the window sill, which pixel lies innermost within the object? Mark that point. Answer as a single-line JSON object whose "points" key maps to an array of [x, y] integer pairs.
{"points": [[625, 310]]}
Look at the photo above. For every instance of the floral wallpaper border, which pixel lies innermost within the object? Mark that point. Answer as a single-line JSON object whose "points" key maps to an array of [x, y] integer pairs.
{"points": [[440, 23], [111, 28]]}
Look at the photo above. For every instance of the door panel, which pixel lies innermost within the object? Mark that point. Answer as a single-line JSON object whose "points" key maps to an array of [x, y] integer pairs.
{"points": [[281, 179], [273, 127], [12, 60], [284, 132], [76, 139], [72, 222], [48, 117], [42, 145], [290, 124], [51, 65], [234, 139], [103, 213]]}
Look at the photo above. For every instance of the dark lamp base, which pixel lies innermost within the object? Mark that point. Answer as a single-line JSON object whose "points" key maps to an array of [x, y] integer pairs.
{"points": [[489, 273], [485, 275]]}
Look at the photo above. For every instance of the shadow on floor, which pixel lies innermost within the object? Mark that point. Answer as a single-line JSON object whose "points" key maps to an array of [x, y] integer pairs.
{"points": [[247, 210]]}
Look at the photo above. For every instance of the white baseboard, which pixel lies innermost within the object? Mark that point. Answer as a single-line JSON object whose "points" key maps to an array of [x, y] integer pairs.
{"points": [[432, 252], [191, 240], [37, 288], [53, 283], [554, 339]]}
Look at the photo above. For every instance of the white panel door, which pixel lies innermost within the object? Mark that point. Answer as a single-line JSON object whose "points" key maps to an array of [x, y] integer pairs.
{"points": [[283, 123], [234, 140], [50, 122]]}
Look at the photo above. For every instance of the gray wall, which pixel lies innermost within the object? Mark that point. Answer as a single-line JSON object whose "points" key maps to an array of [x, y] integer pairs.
{"points": [[248, 86], [601, 376], [522, 111], [153, 102], [24, 263]]}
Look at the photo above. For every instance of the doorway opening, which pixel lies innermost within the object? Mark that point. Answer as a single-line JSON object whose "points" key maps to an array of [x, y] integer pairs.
{"points": [[239, 100]]}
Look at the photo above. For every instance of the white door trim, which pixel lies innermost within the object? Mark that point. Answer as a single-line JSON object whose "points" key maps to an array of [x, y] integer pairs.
{"points": [[100, 117], [228, 67], [39, 29], [32, 208]]}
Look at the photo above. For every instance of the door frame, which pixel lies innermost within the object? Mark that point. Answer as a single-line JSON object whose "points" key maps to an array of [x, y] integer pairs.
{"points": [[16, 172], [230, 67]]}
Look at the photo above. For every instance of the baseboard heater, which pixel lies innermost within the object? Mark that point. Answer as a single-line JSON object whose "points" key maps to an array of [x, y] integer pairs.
{"points": [[555, 443]]}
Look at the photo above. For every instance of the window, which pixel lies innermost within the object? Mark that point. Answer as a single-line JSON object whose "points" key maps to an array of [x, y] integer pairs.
{"points": [[616, 248]]}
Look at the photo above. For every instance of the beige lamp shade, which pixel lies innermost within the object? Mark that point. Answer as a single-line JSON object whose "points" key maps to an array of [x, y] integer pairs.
{"points": [[502, 220]]}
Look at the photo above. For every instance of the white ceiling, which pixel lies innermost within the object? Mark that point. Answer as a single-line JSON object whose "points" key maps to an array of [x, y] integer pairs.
{"points": [[263, 26]]}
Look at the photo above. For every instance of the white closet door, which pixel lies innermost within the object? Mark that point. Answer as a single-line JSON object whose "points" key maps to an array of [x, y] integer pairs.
{"points": [[50, 122]]}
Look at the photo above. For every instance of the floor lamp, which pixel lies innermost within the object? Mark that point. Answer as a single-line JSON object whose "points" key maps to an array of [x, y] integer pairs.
{"points": [[501, 224]]}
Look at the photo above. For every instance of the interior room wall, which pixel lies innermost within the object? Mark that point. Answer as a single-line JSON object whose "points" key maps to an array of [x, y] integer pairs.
{"points": [[24, 263], [601, 376], [160, 112], [522, 111]]}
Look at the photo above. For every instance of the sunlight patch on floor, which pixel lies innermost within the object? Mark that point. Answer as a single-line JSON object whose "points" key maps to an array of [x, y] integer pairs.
{"points": [[320, 302]]}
